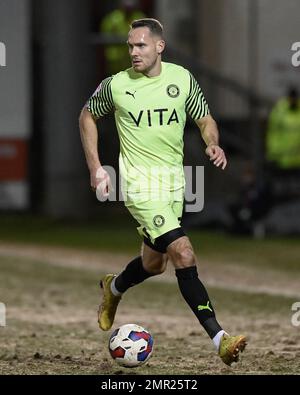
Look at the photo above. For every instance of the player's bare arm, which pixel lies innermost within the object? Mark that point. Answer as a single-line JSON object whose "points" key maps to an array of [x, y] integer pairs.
{"points": [[210, 134], [89, 139]]}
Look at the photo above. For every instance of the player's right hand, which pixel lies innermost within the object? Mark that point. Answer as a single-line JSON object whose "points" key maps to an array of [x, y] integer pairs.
{"points": [[101, 183]]}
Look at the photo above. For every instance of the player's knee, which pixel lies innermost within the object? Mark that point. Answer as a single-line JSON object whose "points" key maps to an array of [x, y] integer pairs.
{"points": [[183, 256], [156, 267], [181, 253], [186, 257], [158, 270]]}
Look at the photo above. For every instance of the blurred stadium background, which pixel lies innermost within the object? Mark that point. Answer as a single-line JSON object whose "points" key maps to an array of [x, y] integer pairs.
{"points": [[56, 53], [55, 57]]}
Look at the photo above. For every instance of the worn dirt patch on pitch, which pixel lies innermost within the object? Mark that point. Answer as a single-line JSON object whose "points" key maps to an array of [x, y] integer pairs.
{"points": [[228, 276], [52, 316]]}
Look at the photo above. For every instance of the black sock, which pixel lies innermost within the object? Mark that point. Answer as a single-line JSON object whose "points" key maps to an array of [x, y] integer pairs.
{"points": [[133, 274], [197, 298]]}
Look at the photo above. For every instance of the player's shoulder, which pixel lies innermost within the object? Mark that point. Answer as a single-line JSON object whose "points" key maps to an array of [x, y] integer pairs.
{"points": [[177, 74], [123, 78], [173, 67], [123, 75]]}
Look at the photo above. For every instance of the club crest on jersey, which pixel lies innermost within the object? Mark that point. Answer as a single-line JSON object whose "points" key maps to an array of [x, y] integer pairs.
{"points": [[158, 221], [173, 90]]}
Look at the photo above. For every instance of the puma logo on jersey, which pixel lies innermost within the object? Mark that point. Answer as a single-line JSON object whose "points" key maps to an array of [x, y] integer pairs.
{"points": [[131, 94], [162, 115]]}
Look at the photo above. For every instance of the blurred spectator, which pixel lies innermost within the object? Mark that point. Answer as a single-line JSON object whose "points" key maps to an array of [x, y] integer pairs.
{"points": [[252, 204], [116, 24], [280, 182], [283, 148], [283, 133]]}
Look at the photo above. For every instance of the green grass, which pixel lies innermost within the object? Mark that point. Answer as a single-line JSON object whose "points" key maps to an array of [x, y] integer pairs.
{"points": [[39, 289], [118, 234], [103, 234], [29, 283], [280, 253], [51, 310]]}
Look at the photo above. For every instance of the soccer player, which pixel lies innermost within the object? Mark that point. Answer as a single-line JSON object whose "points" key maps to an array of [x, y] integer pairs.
{"points": [[150, 101]]}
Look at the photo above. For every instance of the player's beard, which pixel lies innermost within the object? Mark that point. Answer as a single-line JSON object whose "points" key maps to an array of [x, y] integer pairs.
{"points": [[141, 67]]}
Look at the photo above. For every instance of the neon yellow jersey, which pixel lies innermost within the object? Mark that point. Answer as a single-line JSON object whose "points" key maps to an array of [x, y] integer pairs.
{"points": [[283, 135], [150, 115]]}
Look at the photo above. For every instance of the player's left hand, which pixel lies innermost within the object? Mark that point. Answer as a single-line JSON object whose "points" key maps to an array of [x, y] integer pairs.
{"points": [[217, 155]]}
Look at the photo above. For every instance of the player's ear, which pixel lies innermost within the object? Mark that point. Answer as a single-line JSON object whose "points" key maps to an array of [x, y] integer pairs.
{"points": [[160, 46]]}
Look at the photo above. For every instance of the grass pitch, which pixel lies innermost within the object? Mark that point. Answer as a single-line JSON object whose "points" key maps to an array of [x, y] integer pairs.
{"points": [[52, 307]]}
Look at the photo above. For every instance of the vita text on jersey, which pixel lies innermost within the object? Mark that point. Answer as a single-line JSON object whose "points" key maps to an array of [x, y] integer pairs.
{"points": [[156, 114]]}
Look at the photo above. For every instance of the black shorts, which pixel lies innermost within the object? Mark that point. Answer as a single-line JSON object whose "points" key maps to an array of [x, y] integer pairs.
{"points": [[162, 242]]}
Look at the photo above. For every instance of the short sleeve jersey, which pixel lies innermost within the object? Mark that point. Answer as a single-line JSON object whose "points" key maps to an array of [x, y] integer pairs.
{"points": [[150, 115]]}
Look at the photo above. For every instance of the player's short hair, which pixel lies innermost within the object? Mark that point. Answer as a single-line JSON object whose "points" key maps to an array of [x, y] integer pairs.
{"points": [[155, 27]]}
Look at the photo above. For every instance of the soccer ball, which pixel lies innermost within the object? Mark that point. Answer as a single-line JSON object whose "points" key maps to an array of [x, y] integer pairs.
{"points": [[130, 345]]}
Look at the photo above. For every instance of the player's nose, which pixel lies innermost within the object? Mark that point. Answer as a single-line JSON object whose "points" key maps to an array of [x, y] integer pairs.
{"points": [[134, 51]]}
